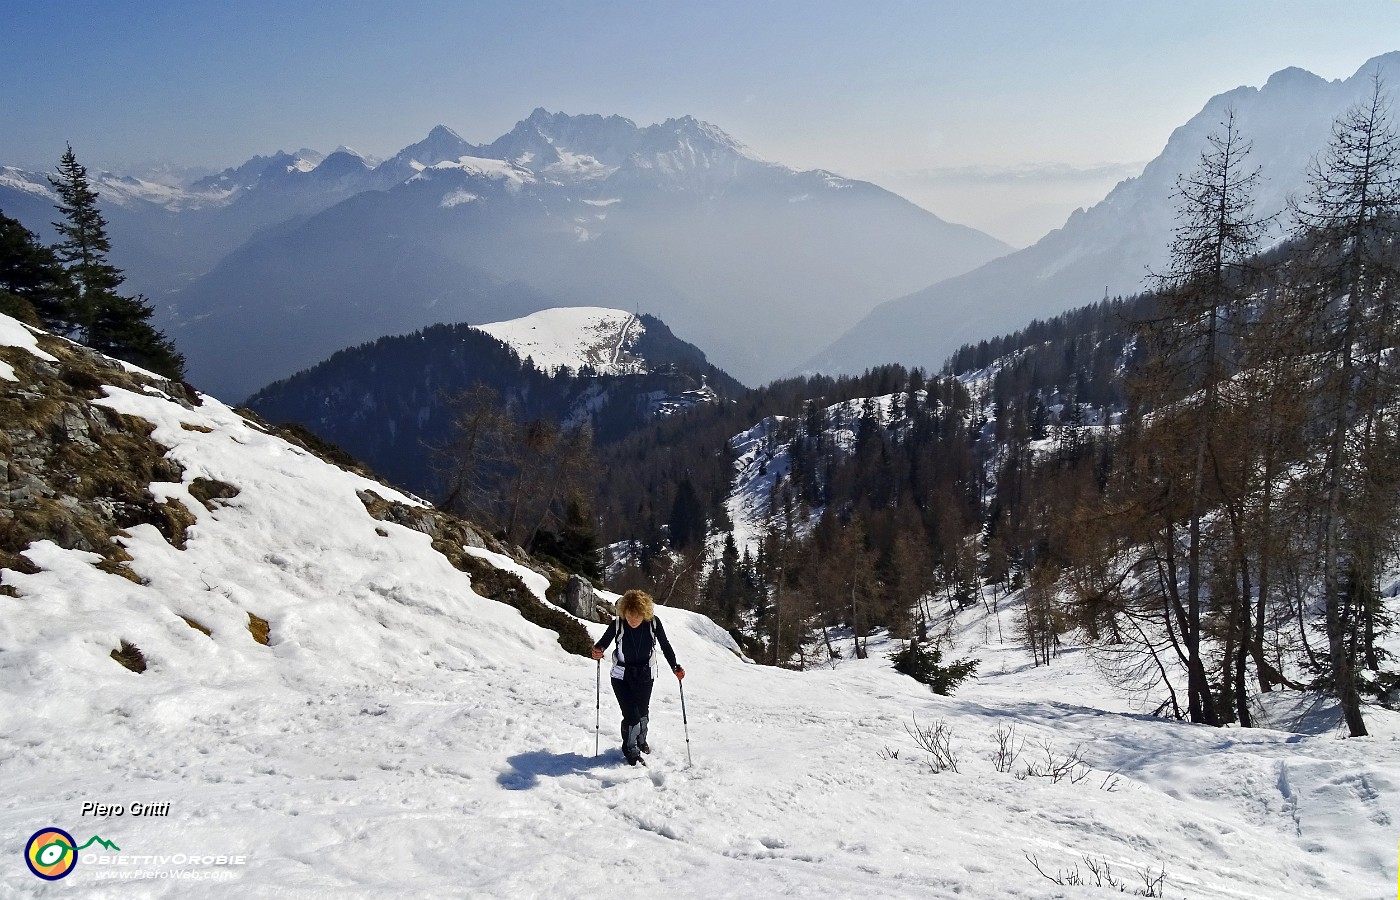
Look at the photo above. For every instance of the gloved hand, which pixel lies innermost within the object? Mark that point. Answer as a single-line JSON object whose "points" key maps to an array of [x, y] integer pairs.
{"points": [[597, 654], [680, 673]]}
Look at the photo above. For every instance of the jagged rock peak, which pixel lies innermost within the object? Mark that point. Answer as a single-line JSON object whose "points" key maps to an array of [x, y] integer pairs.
{"points": [[1291, 76], [441, 144], [442, 132]]}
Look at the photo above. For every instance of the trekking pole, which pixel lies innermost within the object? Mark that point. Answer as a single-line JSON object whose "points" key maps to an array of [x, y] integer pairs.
{"points": [[598, 707], [686, 722]]}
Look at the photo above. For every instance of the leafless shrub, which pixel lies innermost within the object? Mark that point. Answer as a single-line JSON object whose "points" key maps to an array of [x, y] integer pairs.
{"points": [[937, 741], [1008, 749], [1058, 767], [1098, 873], [1154, 885]]}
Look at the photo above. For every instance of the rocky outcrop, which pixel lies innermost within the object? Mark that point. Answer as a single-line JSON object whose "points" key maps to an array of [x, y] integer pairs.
{"points": [[74, 473], [581, 600], [450, 535]]}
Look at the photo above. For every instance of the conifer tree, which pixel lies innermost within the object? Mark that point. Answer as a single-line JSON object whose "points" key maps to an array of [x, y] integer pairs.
{"points": [[30, 272], [1348, 223], [1215, 236], [687, 520], [105, 320]]}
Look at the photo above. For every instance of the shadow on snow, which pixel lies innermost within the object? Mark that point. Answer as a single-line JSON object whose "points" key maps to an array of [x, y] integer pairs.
{"points": [[527, 768]]}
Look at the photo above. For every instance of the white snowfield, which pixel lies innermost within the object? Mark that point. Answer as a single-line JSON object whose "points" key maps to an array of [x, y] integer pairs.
{"points": [[573, 337], [402, 737]]}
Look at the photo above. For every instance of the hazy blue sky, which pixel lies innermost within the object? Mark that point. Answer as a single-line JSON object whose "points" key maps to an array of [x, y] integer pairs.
{"points": [[1004, 115]]}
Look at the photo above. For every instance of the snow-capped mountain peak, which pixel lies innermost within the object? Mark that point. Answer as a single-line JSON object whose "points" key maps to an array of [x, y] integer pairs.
{"points": [[305, 159], [251, 173], [590, 145], [443, 133], [441, 144], [691, 129], [351, 151], [586, 210]]}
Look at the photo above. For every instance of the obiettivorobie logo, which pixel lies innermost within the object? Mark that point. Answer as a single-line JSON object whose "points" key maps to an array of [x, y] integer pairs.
{"points": [[51, 853]]}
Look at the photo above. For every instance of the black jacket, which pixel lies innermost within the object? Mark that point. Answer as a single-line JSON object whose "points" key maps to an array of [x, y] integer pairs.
{"points": [[636, 643]]}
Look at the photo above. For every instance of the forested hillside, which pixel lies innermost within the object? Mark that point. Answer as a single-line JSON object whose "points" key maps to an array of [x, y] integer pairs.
{"points": [[1200, 484]]}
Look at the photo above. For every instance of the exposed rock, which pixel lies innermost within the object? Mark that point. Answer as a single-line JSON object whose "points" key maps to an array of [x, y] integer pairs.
{"points": [[581, 600], [73, 473], [579, 597]]}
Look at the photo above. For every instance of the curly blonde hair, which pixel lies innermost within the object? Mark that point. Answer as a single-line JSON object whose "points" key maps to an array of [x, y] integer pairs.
{"points": [[637, 602]]}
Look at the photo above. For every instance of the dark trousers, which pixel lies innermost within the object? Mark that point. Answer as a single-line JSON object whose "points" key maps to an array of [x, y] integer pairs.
{"points": [[633, 693]]}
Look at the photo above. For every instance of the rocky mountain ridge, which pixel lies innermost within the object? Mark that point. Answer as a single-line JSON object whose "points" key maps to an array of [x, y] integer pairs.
{"points": [[1112, 248], [301, 257]]}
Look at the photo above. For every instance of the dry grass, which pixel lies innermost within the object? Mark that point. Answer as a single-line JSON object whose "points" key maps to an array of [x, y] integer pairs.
{"points": [[117, 565], [83, 380], [259, 629], [200, 628], [177, 520], [207, 490]]}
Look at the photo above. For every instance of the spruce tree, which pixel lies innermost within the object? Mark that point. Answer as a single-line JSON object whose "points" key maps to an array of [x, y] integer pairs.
{"points": [[105, 320], [30, 273], [687, 521]]}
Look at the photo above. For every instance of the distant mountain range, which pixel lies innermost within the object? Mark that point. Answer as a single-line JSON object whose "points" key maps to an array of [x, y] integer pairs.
{"points": [[1112, 247], [270, 267]]}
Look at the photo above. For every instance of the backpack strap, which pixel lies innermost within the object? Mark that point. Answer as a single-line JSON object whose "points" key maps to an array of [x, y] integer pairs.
{"points": [[617, 645], [651, 656]]}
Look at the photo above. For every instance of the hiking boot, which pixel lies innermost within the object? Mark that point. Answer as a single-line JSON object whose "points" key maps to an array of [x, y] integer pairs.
{"points": [[630, 742]]}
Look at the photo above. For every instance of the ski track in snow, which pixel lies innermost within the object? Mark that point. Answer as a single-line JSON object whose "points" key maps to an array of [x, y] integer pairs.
{"points": [[402, 737]]}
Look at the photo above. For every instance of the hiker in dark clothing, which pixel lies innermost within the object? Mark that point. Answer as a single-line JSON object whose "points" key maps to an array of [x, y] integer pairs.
{"points": [[637, 632]]}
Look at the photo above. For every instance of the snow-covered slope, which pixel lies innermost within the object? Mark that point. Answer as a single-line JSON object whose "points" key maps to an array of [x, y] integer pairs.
{"points": [[1111, 248], [574, 337], [401, 736]]}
